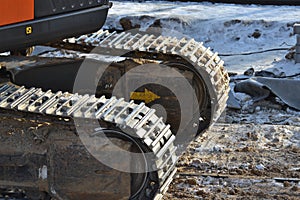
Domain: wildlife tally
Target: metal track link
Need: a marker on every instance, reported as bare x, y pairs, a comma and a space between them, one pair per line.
189, 49
148, 127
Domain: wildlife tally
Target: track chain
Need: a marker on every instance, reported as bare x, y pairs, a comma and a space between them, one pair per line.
194, 52
149, 128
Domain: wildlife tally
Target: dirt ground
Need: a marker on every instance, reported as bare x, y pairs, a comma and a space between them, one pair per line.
241, 161
241, 157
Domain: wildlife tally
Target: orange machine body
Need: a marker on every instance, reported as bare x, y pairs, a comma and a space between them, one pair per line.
14, 11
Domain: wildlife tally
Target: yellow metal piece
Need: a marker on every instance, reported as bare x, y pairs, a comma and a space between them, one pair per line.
28, 30
147, 96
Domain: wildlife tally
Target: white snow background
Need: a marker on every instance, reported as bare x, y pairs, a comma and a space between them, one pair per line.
226, 28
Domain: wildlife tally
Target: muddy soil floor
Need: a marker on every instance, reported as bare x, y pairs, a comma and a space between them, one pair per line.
241, 159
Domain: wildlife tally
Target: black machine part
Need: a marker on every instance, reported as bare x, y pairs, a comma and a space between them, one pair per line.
47, 8
51, 26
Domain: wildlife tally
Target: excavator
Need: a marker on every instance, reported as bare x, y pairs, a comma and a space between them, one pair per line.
107, 123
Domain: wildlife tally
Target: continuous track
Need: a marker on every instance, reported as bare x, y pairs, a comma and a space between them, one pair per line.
149, 128
198, 58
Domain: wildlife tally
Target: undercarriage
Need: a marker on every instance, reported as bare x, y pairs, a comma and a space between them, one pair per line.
52, 114
108, 123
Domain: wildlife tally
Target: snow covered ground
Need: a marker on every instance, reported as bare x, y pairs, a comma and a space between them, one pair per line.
226, 28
